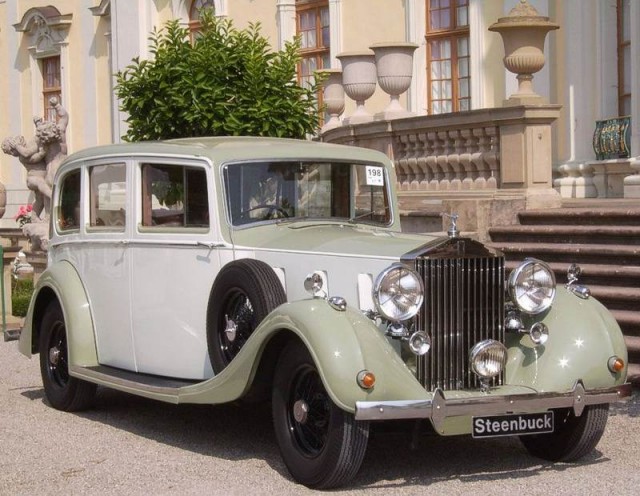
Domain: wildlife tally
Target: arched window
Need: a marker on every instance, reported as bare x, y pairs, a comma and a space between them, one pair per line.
197, 7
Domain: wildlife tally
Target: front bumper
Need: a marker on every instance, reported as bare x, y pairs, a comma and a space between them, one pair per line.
438, 409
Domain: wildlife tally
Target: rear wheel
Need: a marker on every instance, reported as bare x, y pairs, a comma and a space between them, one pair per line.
321, 445
63, 391
573, 438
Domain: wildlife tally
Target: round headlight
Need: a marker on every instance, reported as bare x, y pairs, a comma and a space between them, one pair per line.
532, 286
488, 358
398, 293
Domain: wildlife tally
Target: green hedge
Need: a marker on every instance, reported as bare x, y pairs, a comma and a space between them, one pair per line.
21, 291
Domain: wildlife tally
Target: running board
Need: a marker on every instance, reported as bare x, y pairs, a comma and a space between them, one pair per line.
154, 386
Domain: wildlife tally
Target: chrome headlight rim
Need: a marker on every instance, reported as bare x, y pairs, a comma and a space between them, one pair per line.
414, 305
514, 285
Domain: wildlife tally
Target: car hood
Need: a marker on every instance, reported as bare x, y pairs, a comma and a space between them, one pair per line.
329, 239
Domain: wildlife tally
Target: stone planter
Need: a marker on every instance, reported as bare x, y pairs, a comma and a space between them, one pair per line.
333, 97
359, 82
523, 32
394, 65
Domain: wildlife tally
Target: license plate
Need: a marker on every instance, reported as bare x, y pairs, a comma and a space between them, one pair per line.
513, 425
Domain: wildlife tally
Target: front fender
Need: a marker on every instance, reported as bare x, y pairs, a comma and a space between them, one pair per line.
61, 282
341, 344
583, 335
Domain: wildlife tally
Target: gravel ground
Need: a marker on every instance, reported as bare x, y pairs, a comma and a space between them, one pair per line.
133, 446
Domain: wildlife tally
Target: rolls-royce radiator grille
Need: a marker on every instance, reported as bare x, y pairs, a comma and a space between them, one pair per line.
464, 304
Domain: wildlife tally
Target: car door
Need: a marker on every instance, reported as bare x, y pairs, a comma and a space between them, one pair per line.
104, 262
175, 258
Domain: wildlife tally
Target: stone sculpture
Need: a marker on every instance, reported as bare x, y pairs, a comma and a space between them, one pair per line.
41, 157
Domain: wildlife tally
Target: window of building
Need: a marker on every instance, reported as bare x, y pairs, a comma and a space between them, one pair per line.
197, 7
174, 196
68, 211
51, 85
624, 57
108, 196
312, 25
448, 75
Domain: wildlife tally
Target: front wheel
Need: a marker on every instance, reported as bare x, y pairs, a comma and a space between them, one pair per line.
321, 445
573, 438
63, 391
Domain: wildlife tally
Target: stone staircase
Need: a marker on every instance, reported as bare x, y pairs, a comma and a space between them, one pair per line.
603, 238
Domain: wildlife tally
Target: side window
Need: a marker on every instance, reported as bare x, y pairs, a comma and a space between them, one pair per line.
68, 212
108, 196
174, 196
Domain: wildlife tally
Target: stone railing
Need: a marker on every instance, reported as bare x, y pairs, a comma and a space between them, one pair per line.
454, 161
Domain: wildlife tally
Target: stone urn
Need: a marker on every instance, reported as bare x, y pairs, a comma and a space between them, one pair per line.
394, 65
359, 82
332, 97
523, 33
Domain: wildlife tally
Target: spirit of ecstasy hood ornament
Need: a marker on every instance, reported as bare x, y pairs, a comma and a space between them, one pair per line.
453, 231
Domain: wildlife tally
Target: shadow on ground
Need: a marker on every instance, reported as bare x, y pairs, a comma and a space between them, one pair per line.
242, 431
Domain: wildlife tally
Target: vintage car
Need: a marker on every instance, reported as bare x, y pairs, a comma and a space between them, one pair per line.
208, 270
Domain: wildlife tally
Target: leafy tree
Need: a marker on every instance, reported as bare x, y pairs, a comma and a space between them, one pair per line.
227, 82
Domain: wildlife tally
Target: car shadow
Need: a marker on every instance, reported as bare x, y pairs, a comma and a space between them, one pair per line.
241, 431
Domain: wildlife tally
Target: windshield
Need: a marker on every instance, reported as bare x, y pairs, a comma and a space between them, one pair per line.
261, 191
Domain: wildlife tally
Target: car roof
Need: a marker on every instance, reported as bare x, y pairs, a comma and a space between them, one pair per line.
231, 148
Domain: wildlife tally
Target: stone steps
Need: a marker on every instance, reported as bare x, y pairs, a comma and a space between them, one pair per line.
604, 241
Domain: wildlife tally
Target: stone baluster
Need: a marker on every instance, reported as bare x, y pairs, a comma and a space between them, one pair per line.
402, 169
443, 161
431, 154
492, 157
479, 158
454, 159
422, 149
414, 183
465, 159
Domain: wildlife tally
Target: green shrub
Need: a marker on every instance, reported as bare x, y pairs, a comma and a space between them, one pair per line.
21, 291
227, 82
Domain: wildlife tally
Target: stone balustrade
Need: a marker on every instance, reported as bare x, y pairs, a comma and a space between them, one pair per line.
496, 160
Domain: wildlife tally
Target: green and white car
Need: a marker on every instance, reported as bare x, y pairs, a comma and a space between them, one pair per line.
215, 269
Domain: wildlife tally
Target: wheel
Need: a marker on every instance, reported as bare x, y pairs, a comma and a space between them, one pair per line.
63, 391
243, 294
321, 445
271, 210
573, 438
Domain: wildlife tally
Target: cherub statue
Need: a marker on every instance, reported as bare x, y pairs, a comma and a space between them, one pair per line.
41, 157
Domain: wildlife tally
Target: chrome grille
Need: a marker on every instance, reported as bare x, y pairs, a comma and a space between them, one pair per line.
464, 304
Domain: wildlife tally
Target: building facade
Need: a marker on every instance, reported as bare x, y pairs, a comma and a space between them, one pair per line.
70, 49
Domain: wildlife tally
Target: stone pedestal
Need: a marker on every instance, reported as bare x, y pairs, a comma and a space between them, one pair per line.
632, 183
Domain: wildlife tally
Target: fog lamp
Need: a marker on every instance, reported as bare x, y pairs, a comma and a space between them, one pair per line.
488, 358
420, 343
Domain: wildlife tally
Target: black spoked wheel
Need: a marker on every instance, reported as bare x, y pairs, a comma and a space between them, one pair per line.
63, 391
243, 294
321, 445
573, 438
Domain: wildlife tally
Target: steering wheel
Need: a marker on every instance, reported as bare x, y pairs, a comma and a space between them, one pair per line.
271, 209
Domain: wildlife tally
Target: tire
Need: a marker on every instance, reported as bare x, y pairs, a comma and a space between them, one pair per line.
573, 438
243, 294
321, 445
62, 391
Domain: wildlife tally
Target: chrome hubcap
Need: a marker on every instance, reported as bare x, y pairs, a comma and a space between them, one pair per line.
54, 356
301, 411
231, 329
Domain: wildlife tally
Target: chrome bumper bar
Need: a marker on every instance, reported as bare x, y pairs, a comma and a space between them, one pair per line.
439, 408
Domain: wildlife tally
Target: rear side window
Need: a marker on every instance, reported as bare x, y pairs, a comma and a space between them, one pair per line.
108, 196
174, 196
68, 212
